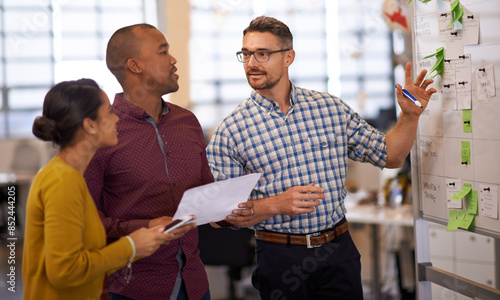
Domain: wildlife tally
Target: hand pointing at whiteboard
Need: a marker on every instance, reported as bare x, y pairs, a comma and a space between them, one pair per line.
400, 139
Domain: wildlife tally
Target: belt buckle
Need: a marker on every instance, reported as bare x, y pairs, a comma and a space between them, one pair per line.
308, 240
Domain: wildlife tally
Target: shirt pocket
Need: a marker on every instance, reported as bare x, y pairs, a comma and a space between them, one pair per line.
321, 141
321, 147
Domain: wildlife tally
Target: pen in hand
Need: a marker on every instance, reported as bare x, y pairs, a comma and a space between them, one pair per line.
410, 96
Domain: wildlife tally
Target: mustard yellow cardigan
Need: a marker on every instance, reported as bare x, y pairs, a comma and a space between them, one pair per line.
65, 253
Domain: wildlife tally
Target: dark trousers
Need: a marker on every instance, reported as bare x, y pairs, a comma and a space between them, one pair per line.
332, 271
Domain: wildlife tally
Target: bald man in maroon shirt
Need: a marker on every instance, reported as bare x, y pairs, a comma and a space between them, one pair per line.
160, 154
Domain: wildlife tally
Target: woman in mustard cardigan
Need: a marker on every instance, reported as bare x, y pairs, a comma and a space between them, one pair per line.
65, 252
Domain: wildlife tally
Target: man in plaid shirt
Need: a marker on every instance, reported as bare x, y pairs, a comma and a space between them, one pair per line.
300, 141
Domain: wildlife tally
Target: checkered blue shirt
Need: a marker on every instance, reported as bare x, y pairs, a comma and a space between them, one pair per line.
309, 144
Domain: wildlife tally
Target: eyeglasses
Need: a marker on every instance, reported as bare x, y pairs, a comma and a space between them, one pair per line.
259, 55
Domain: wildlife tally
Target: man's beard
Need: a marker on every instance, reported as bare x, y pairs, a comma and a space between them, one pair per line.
268, 84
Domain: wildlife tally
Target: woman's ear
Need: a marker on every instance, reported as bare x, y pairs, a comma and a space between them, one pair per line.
134, 66
89, 126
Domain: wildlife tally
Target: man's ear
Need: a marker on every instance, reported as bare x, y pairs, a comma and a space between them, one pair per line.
289, 57
134, 66
89, 126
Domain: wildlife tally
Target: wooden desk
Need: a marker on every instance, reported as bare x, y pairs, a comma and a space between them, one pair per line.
376, 216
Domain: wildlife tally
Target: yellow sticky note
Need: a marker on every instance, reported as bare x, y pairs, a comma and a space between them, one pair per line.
465, 190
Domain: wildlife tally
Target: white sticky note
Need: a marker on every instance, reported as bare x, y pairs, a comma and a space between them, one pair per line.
443, 20
454, 46
488, 200
448, 90
463, 83
453, 186
459, 35
485, 82
470, 28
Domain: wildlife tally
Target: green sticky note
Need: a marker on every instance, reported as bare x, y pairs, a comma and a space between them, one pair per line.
452, 221
472, 205
461, 215
467, 221
465, 190
439, 62
465, 153
467, 120
457, 15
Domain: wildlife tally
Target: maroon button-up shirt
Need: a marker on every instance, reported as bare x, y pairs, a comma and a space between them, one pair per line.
136, 181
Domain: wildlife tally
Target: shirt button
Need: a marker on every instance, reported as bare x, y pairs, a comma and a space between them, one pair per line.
298, 168
293, 144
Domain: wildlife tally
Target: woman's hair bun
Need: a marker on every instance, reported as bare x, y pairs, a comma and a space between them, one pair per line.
65, 107
46, 129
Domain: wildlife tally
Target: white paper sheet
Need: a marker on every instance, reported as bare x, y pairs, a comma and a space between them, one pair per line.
463, 76
448, 88
215, 201
485, 82
488, 200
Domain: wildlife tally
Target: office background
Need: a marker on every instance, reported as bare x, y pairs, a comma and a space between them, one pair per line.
345, 47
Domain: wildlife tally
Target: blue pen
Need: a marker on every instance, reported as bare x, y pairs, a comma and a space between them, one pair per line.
410, 96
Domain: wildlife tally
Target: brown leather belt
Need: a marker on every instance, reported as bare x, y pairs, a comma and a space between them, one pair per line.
311, 240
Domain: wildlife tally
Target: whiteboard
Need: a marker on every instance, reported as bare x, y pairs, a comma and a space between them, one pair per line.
440, 133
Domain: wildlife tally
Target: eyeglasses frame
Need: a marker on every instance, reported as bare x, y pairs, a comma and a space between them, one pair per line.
253, 53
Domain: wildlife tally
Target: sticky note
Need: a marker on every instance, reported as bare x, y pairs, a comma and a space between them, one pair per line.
456, 218
448, 92
463, 84
467, 120
454, 5
457, 13
465, 153
463, 192
488, 200
467, 221
443, 20
452, 221
472, 205
485, 82
470, 32
461, 215
453, 186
